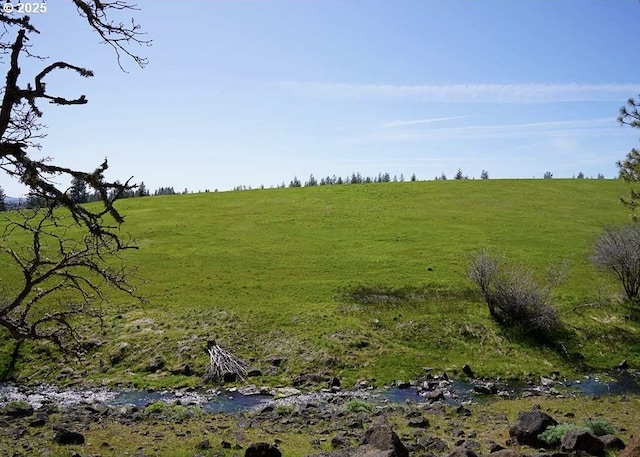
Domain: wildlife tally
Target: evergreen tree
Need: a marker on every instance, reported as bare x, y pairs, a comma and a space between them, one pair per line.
459, 175
484, 174
295, 182
413, 177
78, 191
3, 206
142, 190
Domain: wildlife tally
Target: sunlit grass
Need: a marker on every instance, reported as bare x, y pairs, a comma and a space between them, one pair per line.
265, 272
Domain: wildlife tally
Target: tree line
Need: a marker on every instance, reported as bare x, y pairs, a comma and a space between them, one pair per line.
79, 190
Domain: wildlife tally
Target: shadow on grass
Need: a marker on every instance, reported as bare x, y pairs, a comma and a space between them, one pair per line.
9, 363
396, 296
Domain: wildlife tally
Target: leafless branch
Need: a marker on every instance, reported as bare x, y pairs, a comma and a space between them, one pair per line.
63, 277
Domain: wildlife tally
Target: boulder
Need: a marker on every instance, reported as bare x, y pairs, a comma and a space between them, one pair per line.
262, 450
633, 448
380, 441
582, 440
612, 442
64, 436
505, 453
529, 425
385, 439
18, 409
460, 451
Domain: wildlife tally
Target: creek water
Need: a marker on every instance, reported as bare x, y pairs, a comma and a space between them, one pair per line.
230, 401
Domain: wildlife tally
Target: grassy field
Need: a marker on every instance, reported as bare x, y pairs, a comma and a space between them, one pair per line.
268, 273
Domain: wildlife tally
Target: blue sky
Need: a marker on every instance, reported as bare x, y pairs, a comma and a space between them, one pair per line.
251, 92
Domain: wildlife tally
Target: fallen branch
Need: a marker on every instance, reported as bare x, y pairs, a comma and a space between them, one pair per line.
223, 365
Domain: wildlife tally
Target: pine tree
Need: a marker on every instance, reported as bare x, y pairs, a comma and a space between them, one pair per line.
78, 191
3, 206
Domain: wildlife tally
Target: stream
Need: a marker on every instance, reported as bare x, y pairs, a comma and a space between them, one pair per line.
251, 398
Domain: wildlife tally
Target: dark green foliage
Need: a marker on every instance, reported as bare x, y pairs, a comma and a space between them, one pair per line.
78, 191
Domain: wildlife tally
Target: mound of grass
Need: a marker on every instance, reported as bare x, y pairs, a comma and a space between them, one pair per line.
368, 282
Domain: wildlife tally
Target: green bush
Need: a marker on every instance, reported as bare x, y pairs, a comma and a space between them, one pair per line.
600, 427
358, 406
553, 435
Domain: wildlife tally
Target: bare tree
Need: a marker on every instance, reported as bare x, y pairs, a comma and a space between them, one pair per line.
617, 250
20, 115
63, 253
60, 276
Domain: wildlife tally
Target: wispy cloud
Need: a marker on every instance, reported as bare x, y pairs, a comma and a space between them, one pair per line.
408, 123
582, 128
467, 93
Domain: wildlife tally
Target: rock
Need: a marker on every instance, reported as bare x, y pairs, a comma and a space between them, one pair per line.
64, 437
434, 444
505, 453
485, 389
155, 364
581, 440
307, 379
466, 369
624, 365
612, 442
275, 360
262, 450
494, 447
462, 452
254, 373
229, 377
437, 394
418, 422
18, 409
385, 439
202, 445
633, 448
119, 353
529, 425
340, 442
39, 421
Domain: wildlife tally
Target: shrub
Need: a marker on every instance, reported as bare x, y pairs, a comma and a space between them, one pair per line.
514, 297
600, 427
358, 406
617, 250
553, 434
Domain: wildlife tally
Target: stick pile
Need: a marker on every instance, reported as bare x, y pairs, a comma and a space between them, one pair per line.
223, 363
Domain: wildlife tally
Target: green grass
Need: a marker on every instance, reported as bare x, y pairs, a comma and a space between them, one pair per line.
269, 273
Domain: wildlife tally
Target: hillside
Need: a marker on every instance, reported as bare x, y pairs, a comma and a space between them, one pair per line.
267, 273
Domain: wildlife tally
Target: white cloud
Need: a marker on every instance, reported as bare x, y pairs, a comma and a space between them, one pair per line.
467, 93
582, 128
407, 123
